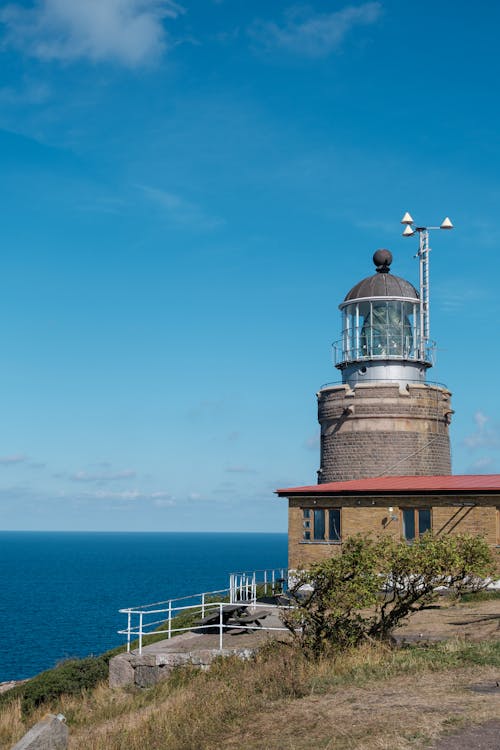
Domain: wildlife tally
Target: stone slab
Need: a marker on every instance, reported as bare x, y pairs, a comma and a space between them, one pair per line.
51, 733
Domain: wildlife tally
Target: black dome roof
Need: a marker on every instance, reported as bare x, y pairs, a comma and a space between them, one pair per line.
382, 283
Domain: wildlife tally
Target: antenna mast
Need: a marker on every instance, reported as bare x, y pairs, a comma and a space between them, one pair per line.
423, 258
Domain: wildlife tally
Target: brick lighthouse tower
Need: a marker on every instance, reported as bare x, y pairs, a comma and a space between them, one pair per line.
385, 418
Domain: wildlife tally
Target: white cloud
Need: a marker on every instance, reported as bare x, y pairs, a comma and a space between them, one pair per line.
480, 419
483, 465
15, 459
314, 34
159, 499
102, 476
128, 32
482, 436
181, 210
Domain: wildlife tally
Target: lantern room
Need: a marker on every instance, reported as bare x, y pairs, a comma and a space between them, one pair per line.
382, 330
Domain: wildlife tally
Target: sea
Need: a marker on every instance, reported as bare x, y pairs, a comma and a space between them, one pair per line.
60, 592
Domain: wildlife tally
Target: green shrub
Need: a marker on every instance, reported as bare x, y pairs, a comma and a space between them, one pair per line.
343, 605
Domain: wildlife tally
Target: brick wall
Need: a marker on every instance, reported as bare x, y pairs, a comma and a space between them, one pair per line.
382, 429
368, 518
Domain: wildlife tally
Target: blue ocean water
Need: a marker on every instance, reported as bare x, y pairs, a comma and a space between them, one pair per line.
60, 591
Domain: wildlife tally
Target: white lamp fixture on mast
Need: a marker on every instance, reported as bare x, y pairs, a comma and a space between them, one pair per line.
423, 256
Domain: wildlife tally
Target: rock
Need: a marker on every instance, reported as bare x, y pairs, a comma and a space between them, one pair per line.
51, 733
149, 668
146, 676
121, 671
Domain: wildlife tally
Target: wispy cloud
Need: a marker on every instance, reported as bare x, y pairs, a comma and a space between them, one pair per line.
482, 436
160, 499
206, 408
483, 465
128, 32
312, 442
180, 210
240, 470
456, 294
31, 93
17, 458
311, 34
102, 476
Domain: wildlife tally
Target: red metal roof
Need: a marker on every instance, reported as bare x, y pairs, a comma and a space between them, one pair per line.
377, 485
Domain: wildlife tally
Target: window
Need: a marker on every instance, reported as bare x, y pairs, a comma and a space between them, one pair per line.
319, 524
334, 524
416, 521
306, 523
322, 524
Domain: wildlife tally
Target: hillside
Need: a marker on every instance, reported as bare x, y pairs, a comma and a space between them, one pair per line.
375, 697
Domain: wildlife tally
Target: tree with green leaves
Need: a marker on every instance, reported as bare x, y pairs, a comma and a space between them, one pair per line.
375, 584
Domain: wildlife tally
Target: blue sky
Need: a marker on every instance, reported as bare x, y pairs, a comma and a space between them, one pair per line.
188, 191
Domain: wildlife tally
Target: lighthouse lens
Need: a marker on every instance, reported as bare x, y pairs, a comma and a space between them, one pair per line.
381, 329
387, 330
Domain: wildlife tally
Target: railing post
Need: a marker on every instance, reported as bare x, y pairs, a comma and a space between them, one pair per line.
221, 626
265, 582
241, 587
170, 618
129, 621
254, 588
273, 578
140, 633
203, 605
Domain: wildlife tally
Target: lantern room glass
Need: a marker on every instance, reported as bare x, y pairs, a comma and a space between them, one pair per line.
381, 329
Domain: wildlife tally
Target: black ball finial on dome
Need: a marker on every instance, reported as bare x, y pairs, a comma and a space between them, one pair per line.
382, 259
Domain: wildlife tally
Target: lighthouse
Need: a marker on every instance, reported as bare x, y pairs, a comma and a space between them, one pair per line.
385, 448
385, 417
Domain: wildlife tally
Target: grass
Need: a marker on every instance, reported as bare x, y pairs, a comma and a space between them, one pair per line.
480, 596
204, 710
73, 676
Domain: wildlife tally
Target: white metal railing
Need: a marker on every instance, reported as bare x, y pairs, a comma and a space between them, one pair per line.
244, 587
244, 584
218, 624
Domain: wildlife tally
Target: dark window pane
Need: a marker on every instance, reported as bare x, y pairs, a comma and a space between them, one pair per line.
307, 535
307, 524
334, 525
409, 524
307, 513
424, 520
319, 524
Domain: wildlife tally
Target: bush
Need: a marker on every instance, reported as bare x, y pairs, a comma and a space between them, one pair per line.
374, 585
68, 678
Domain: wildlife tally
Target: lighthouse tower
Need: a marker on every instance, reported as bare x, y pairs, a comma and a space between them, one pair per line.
385, 418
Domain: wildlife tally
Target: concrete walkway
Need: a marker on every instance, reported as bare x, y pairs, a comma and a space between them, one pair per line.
233, 638
192, 647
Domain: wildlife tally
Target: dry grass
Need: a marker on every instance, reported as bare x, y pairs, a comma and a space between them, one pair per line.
373, 697
370, 698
